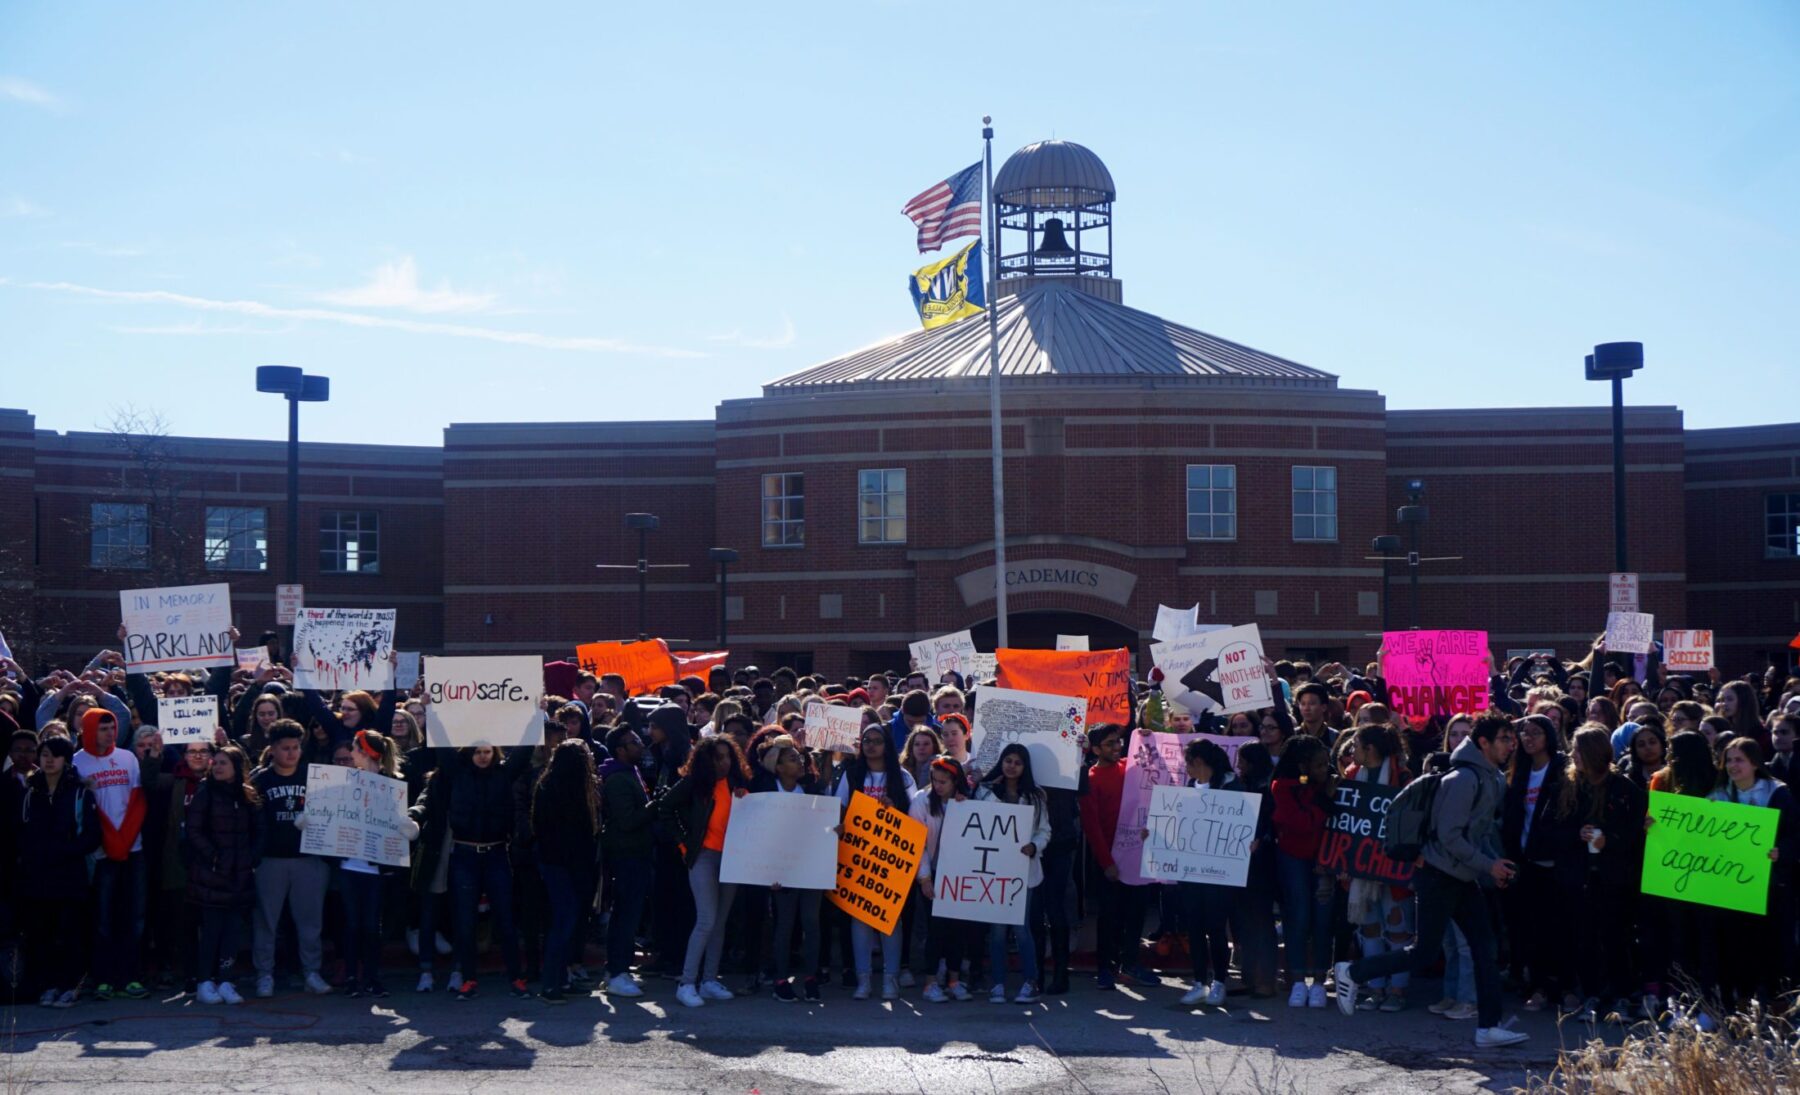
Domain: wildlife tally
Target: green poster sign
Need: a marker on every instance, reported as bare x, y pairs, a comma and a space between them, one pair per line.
1710, 853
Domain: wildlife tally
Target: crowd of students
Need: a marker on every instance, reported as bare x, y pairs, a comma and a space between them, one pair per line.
135, 867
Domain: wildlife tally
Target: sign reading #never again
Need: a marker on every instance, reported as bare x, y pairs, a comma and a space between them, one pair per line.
1050, 575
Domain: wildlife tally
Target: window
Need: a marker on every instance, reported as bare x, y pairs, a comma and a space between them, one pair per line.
1315, 503
881, 493
1212, 502
1782, 526
784, 509
237, 538
120, 535
350, 541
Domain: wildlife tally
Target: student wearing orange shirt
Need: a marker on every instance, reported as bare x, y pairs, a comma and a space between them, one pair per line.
698, 808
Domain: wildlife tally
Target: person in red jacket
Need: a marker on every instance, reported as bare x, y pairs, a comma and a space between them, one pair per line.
1121, 906
1301, 794
111, 776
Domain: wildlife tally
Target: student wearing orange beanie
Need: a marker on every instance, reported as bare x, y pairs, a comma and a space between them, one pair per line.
111, 775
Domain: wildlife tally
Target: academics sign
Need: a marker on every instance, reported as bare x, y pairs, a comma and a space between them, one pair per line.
1050, 576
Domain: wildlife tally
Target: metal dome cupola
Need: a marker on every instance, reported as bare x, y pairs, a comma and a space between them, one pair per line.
1053, 205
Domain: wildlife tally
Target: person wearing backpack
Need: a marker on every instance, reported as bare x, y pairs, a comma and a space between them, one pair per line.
1460, 849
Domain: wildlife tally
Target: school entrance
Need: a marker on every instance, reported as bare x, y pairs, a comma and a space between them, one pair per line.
1038, 631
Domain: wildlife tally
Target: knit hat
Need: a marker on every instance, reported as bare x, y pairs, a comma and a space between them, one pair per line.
90, 729
1356, 700
771, 751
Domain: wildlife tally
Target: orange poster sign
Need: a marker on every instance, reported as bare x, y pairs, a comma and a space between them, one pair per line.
646, 666
689, 663
878, 858
1103, 676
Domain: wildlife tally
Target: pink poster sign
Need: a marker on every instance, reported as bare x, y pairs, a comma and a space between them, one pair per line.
1155, 760
1436, 672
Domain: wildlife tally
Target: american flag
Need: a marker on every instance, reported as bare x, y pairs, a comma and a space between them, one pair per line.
948, 209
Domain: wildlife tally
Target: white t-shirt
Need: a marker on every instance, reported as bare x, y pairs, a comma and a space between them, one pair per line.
874, 785
115, 776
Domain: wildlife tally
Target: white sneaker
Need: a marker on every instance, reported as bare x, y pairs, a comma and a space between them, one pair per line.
1315, 996
862, 987
1297, 995
1442, 1006
907, 980
890, 988
1460, 1011
1194, 995
455, 983
1498, 1037
1215, 994
997, 995
208, 993
623, 985
228, 992
48, 1000
1028, 993
443, 945
265, 985
65, 999
960, 991
931, 993
690, 996
1346, 990
412, 941
427, 983
714, 989
317, 985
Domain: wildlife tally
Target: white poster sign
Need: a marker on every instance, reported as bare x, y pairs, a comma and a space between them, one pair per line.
1071, 642
406, 669
1629, 632
352, 814
252, 658
177, 627
1218, 670
784, 837
1198, 834
953, 653
1053, 730
483, 701
287, 603
1688, 649
982, 874
5, 651
1175, 623
187, 718
831, 728
338, 648
1622, 593
986, 665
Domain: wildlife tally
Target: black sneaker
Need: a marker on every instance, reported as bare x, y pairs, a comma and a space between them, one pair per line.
467, 991
375, 990
553, 996
520, 990
812, 989
353, 991
784, 990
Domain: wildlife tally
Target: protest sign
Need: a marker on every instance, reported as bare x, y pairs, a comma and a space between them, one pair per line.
877, 859
1354, 829
780, 837
646, 666
692, 663
288, 600
1629, 632
177, 627
981, 873
337, 648
1053, 730
1199, 834
1435, 672
1102, 676
1710, 853
252, 658
832, 728
1175, 623
352, 814
5, 651
953, 653
1688, 649
406, 669
182, 719
483, 701
986, 665
1622, 592
1152, 760
1071, 642
1220, 670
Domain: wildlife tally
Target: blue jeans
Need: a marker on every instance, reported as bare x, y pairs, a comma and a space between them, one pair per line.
631, 878
1305, 916
472, 874
118, 919
362, 924
559, 888
1443, 901
1028, 964
1459, 967
862, 941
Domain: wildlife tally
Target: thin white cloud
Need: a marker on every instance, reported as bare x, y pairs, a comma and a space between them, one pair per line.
396, 285
15, 206
105, 250
763, 342
24, 91
198, 327
584, 344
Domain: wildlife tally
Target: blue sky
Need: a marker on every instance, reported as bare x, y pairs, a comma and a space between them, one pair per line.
556, 212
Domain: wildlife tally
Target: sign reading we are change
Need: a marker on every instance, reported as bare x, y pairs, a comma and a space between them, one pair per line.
483, 701
1435, 672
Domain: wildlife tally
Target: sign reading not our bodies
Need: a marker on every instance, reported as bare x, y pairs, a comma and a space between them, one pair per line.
982, 873
483, 701
177, 627
337, 648
1435, 673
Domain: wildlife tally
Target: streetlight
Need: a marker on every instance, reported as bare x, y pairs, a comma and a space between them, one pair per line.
724, 557
1413, 516
1385, 547
644, 523
297, 387
1615, 361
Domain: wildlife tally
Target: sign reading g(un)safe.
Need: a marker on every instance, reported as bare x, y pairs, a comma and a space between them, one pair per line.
1050, 575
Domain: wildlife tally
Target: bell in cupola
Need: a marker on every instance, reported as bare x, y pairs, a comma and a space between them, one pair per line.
1052, 244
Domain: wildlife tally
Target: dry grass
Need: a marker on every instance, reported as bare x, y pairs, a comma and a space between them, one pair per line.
1752, 1053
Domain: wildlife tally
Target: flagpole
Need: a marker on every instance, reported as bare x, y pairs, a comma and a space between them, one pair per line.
993, 311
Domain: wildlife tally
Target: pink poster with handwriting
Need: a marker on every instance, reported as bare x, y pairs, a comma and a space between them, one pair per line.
1154, 760
1435, 672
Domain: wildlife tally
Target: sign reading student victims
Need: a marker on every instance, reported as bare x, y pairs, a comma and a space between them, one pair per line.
1710, 853
781, 838
1688, 649
1629, 632
982, 871
1199, 834
1103, 676
1053, 730
339, 648
352, 814
1353, 834
483, 701
877, 859
182, 719
1435, 672
177, 627
1218, 670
